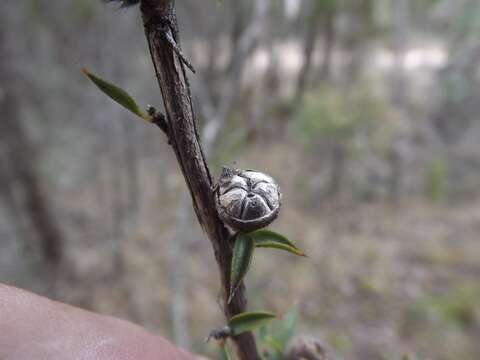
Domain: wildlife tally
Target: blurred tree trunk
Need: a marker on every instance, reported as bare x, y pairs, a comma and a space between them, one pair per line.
356, 45
400, 44
240, 21
311, 36
7, 193
321, 17
329, 38
397, 156
24, 184
338, 162
459, 98
262, 97
357, 39
131, 176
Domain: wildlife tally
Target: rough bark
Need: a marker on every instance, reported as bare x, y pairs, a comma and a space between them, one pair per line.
160, 20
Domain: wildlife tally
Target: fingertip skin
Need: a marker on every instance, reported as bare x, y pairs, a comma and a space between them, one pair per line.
34, 327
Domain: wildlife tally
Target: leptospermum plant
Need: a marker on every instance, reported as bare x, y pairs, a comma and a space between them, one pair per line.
232, 212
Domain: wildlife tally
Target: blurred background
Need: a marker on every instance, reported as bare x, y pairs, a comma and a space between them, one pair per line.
365, 111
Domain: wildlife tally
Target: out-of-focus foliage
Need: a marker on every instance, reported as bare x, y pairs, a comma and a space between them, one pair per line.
436, 187
460, 307
275, 338
339, 114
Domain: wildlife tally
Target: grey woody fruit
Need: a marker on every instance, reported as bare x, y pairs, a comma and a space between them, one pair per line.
247, 200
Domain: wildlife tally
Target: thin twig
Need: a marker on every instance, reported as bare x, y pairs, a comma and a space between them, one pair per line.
184, 138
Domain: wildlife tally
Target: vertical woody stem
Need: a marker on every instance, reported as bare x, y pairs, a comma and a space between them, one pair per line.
160, 22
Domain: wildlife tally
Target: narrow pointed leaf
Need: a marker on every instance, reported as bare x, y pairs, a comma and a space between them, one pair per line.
249, 321
283, 332
224, 354
289, 325
117, 94
241, 260
271, 239
275, 345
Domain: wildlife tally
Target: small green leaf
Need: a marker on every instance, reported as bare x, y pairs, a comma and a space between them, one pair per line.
263, 333
289, 325
118, 95
241, 260
249, 321
224, 354
275, 346
275, 338
271, 239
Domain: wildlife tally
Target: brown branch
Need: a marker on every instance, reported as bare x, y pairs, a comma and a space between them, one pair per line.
170, 71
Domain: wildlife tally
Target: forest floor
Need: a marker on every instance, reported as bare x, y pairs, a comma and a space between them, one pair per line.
383, 281
380, 280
